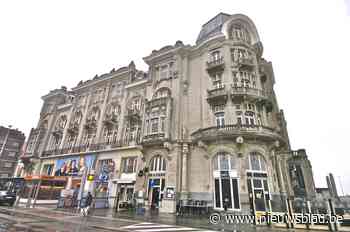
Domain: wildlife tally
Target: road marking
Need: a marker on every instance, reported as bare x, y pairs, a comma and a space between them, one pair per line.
153, 227
145, 226
168, 229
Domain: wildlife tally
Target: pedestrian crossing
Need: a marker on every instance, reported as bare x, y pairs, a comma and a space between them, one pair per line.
154, 227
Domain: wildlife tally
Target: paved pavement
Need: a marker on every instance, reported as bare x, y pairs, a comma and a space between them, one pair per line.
42, 219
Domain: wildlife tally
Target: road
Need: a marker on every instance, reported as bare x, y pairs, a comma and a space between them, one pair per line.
12, 220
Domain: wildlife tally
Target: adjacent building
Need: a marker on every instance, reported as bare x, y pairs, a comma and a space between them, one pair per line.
201, 125
11, 141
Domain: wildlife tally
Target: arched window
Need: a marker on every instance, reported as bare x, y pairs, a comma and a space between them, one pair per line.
224, 162
257, 162
135, 103
162, 92
239, 33
112, 113
77, 118
44, 124
61, 123
157, 164
94, 114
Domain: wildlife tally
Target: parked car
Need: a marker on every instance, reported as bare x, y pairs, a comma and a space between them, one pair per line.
9, 187
7, 197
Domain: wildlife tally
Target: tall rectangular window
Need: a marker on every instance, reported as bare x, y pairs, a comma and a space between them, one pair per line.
154, 124
217, 81
215, 56
162, 119
220, 119
129, 164
164, 70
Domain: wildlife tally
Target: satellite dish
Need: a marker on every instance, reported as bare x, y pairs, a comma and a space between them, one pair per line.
239, 140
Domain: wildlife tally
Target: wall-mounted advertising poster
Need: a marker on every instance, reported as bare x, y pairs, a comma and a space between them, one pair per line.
74, 166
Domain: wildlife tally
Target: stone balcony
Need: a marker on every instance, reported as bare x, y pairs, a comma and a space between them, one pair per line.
89, 148
252, 93
158, 102
110, 119
246, 63
154, 138
133, 114
217, 95
234, 130
73, 128
57, 133
216, 65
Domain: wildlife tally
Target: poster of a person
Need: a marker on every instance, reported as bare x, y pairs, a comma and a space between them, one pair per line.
74, 166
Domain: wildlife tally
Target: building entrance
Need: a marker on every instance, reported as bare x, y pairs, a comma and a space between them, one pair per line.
226, 193
155, 191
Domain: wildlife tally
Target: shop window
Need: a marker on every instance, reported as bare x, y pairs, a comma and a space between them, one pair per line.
47, 169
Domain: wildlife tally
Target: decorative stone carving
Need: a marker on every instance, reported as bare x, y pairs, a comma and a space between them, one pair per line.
185, 148
185, 87
168, 146
202, 145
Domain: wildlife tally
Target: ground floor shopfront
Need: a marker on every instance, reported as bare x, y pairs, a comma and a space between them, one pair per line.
219, 177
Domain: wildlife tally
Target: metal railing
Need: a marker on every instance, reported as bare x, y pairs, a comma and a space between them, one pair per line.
89, 147
240, 90
232, 129
217, 91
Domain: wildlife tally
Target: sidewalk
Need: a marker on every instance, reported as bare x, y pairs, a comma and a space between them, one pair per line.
107, 219
201, 222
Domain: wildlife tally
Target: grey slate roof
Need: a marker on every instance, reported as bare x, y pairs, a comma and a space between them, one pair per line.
212, 27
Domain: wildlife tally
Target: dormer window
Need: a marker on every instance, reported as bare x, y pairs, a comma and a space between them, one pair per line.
162, 92
165, 71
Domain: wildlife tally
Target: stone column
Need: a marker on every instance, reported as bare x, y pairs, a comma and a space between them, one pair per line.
81, 127
100, 120
69, 118
184, 183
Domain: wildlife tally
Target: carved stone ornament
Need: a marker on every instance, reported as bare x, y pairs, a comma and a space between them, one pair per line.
168, 146
239, 140
202, 145
277, 144
185, 87
185, 148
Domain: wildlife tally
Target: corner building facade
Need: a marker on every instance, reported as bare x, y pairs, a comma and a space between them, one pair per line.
202, 125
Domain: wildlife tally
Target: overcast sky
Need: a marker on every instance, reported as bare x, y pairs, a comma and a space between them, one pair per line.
47, 44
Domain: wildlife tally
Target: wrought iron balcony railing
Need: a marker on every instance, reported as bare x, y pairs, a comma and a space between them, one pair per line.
248, 91
216, 64
89, 147
233, 130
154, 137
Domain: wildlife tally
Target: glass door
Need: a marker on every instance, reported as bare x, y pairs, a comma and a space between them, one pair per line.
226, 192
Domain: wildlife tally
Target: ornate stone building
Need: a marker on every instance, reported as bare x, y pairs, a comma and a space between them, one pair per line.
11, 142
203, 122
